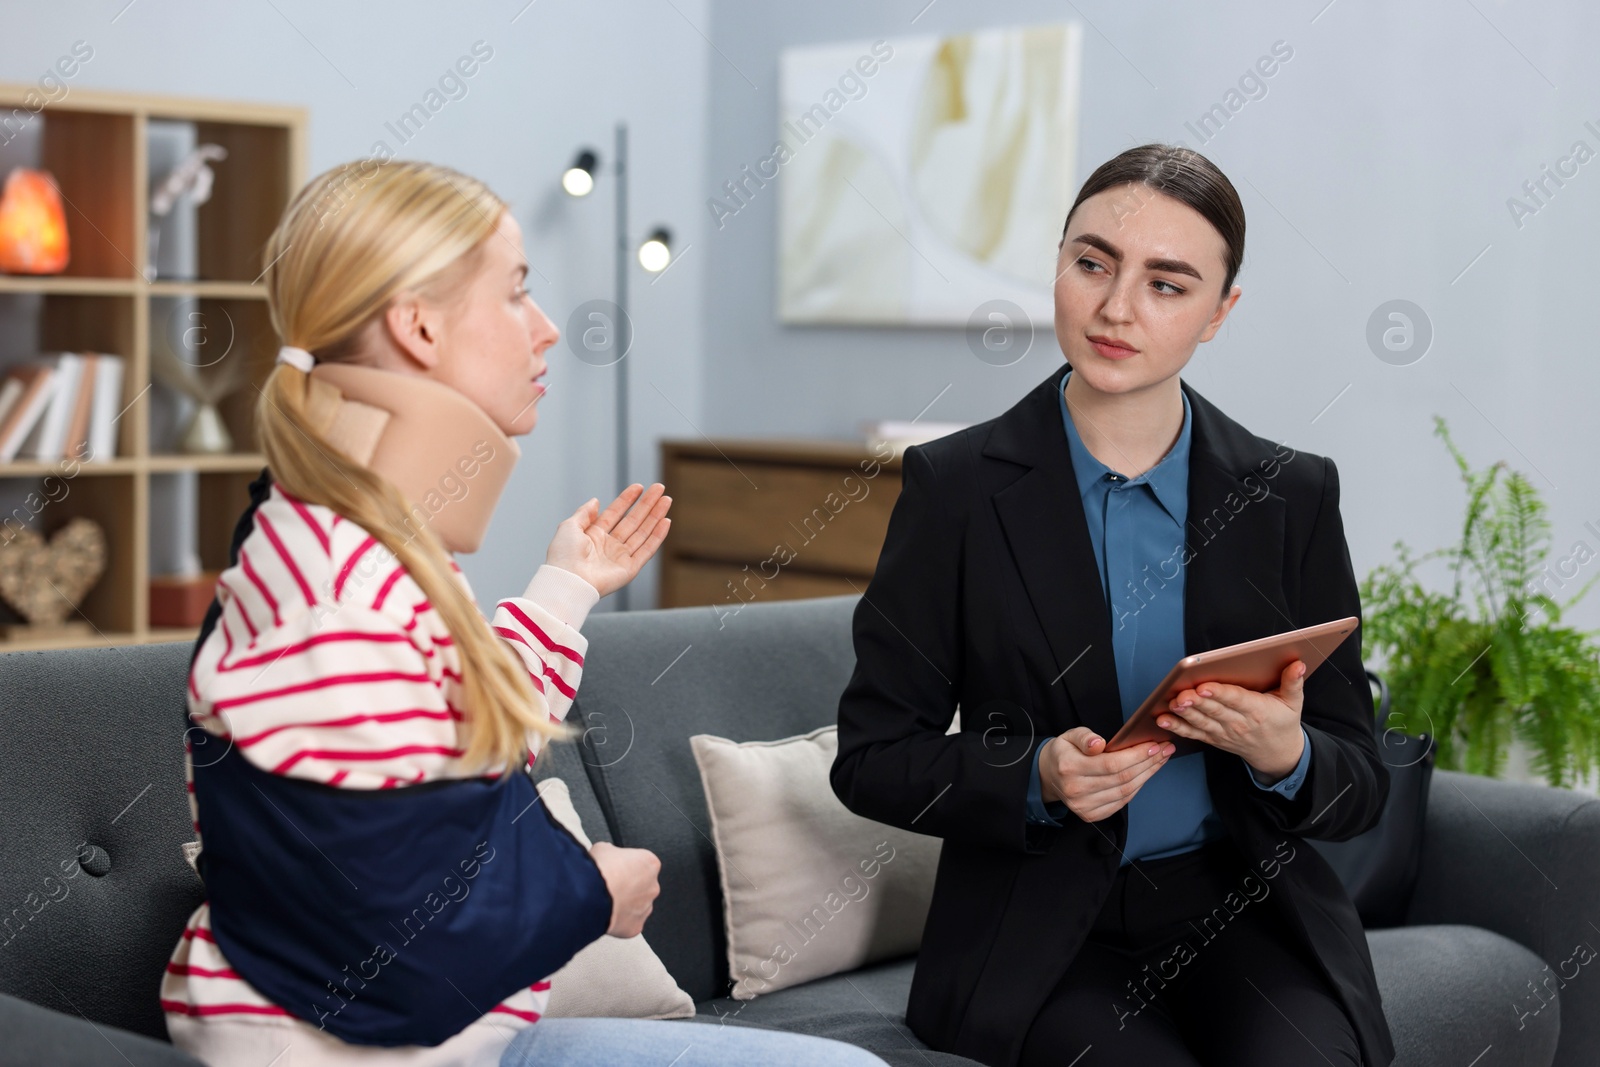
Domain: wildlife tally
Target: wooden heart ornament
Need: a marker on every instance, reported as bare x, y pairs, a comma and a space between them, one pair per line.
46, 581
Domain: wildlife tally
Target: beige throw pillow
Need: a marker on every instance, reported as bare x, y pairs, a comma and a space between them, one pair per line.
809, 889
614, 977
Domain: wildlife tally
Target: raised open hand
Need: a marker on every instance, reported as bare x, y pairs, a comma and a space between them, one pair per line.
607, 548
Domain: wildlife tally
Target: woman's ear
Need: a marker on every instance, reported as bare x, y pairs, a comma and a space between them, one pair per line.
1224, 306
413, 327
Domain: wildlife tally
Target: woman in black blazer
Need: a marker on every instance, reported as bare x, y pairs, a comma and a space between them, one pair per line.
1044, 942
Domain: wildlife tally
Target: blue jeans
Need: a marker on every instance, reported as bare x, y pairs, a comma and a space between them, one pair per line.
679, 1042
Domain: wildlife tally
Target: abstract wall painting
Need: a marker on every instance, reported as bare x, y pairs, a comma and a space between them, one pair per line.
924, 177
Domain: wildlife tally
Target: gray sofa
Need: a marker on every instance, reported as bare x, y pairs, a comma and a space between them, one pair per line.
94, 889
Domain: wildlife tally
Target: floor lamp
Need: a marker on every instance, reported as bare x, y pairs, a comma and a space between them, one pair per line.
654, 253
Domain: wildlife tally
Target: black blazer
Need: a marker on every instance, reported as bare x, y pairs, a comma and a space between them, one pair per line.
987, 596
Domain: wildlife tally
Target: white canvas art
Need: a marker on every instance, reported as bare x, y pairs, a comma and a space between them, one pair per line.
924, 177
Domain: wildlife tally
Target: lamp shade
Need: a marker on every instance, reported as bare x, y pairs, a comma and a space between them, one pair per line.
578, 180
33, 229
656, 251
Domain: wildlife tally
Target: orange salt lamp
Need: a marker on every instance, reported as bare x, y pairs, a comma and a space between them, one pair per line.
33, 230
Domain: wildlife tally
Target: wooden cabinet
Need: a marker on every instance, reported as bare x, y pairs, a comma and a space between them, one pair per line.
764, 519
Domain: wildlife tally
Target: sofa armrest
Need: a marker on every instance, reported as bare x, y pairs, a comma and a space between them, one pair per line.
1523, 861
35, 1035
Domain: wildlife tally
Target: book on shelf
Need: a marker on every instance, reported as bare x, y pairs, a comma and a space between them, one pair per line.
37, 385
48, 438
107, 407
11, 390
62, 406
77, 439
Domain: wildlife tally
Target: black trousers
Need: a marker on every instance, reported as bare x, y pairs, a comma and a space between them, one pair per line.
1174, 973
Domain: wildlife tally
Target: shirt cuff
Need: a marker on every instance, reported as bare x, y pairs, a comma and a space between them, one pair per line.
1037, 811
563, 594
1290, 784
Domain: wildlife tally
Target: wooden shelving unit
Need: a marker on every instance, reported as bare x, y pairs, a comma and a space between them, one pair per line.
95, 143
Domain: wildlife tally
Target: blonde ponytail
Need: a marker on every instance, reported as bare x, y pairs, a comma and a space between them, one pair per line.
351, 240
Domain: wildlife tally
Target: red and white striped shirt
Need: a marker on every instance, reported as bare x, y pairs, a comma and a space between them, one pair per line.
329, 664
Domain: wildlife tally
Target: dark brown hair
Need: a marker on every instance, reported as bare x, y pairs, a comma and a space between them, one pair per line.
1186, 176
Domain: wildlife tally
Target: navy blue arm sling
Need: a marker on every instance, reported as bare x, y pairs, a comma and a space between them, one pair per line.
386, 917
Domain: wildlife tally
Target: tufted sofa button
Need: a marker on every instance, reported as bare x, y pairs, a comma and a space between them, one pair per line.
93, 859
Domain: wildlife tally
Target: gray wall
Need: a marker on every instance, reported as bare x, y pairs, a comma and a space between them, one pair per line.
1377, 166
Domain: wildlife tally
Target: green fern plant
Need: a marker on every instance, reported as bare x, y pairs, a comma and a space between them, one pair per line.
1473, 675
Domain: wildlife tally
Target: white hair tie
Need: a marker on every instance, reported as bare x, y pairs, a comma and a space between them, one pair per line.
297, 357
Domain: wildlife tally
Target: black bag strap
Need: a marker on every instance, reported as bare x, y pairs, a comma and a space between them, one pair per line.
1383, 700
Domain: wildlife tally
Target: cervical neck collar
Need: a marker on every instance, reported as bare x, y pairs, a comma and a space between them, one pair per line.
443, 452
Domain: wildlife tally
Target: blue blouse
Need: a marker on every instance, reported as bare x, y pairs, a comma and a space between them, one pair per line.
1136, 526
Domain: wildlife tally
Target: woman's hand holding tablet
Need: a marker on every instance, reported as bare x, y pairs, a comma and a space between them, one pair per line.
1076, 769
1262, 728
1221, 698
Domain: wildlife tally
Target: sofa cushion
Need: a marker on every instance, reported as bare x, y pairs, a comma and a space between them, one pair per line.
611, 977
563, 759
865, 1007
809, 887
653, 678
94, 889
1451, 992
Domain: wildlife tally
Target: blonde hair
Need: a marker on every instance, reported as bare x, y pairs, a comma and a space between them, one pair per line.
352, 239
